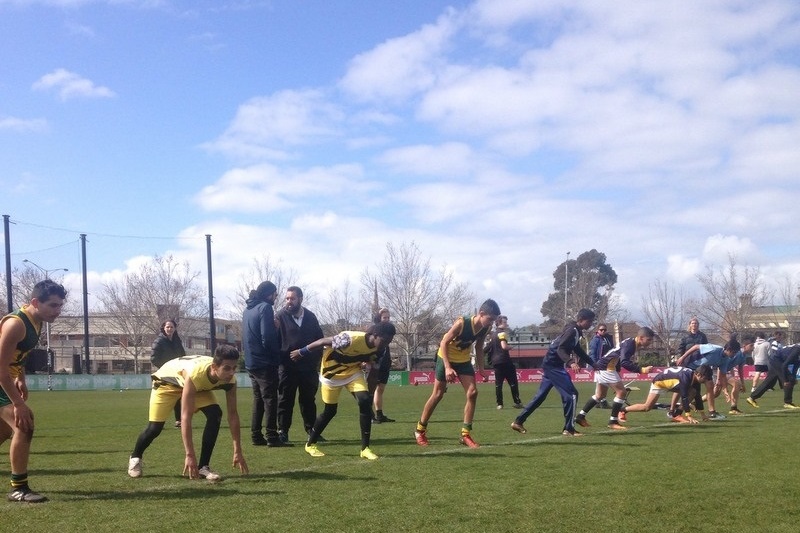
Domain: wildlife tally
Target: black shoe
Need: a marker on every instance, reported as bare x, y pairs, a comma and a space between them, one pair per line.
384, 418
25, 495
260, 441
376, 420
320, 438
283, 436
278, 443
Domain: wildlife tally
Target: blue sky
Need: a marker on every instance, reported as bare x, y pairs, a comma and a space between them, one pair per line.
664, 134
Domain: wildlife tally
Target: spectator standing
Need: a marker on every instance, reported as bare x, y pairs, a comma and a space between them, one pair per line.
168, 346
504, 369
261, 359
378, 376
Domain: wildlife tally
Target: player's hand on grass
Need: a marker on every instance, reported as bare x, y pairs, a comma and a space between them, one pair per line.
190, 467
240, 463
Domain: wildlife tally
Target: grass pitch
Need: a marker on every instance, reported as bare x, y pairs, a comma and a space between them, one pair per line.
738, 474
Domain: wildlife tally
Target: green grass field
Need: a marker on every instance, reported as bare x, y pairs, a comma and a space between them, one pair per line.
739, 474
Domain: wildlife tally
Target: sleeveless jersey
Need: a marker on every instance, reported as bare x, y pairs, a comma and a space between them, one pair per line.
458, 349
198, 368
32, 330
343, 358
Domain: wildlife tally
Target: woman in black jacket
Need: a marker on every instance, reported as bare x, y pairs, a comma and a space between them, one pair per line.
168, 346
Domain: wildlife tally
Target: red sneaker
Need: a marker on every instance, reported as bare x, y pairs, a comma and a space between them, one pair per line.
622, 416
422, 438
467, 441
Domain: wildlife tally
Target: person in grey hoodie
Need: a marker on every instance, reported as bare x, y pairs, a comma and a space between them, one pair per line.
760, 358
261, 359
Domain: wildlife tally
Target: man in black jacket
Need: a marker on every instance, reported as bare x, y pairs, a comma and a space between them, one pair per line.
297, 327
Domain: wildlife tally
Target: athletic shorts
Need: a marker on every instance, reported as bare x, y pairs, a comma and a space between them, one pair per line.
330, 391
654, 389
606, 377
4, 399
462, 369
164, 398
382, 369
762, 368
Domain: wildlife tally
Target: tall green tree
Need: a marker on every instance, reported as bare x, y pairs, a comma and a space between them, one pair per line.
584, 282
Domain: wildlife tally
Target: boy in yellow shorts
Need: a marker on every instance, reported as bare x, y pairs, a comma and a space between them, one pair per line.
343, 359
192, 380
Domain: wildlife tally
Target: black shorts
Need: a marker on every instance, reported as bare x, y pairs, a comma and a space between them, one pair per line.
762, 368
382, 369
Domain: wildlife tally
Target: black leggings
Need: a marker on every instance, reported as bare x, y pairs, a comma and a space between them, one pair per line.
210, 432
364, 417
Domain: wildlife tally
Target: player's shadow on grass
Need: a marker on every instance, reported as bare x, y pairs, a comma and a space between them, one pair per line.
304, 475
193, 491
74, 452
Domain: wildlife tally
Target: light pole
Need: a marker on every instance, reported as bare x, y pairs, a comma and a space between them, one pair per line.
566, 281
47, 273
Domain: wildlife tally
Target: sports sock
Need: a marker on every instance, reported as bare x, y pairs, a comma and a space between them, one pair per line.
465, 429
590, 404
619, 403
19, 481
422, 428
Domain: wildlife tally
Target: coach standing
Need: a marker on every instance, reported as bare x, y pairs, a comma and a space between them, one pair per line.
298, 327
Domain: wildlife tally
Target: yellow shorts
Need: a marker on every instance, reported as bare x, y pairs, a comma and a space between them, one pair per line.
330, 393
164, 398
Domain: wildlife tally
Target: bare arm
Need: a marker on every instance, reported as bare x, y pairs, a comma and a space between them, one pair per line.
13, 331
236, 434
690, 351
449, 373
187, 411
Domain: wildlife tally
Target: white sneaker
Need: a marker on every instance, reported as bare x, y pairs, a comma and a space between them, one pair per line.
208, 474
135, 467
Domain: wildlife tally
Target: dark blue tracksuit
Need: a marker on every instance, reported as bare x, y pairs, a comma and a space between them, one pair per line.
555, 375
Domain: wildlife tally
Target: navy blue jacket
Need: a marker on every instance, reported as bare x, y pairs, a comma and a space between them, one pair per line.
259, 335
562, 347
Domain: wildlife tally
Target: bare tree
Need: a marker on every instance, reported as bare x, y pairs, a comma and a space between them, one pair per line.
731, 294
663, 309
423, 301
163, 288
265, 268
344, 310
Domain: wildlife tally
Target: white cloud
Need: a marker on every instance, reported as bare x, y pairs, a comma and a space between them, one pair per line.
400, 67
265, 127
682, 269
71, 85
266, 188
719, 248
447, 160
23, 125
